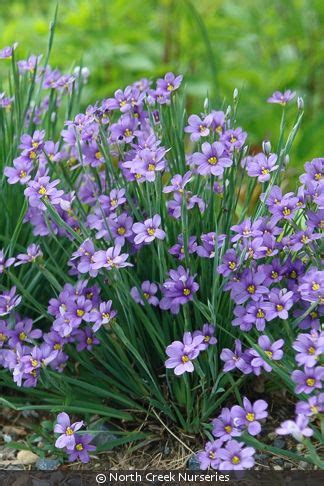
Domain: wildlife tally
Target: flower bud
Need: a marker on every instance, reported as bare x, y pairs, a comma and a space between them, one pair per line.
228, 111
266, 147
235, 94
300, 103
206, 104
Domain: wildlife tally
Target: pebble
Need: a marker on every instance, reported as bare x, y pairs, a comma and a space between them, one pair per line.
272, 436
47, 464
26, 457
279, 443
193, 463
277, 468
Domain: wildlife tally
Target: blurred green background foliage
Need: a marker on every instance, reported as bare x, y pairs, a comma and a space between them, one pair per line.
256, 46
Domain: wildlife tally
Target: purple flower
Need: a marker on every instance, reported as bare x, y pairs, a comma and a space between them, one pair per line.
297, 428
280, 301
110, 258
314, 171
245, 230
84, 254
28, 65
308, 349
5, 263
235, 359
261, 165
20, 172
308, 380
67, 430
124, 130
103, 316
313, 406
149, 230
209, 456
121, 228
23, 332
178, 290
207, 332
178, 183
197, 127
282, 98
311, 285
169, 83
234, 456
8, 301
43, 190
249, 287
178, 249
229, 263
213, 159
81, 448
85, 339
148, 291
233, 138
33, 252
7, 52
210, 242
181, 354
224, 426
249, 415
272, 350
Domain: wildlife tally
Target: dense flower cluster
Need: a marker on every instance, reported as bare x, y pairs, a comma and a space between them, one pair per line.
122, 196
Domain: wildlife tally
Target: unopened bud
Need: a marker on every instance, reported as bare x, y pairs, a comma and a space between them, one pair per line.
300, 103
266, 147
206, 104
228, 111
53, 117
235, 94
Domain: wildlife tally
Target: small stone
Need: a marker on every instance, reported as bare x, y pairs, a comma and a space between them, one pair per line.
260, 457
47, 464
287, 465
272, 436
303, 465
279, 461
277, 468
104, 436
279, 443
300, 447
26, 457
193, 463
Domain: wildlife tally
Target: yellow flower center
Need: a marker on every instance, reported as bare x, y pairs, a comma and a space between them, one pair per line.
69, 431
113, 202
250, 417
128, 132
206, 339
260, 314
42, 190
34, 363
170, 87
212, 160
186, 291
32, 155
251, 289
269, 353
310, 382
304, 239
235, 460
228, 428
35, 145
22, 174
233, 139
293, 274
274, 274
212, 455
121, 231
314, 315
286, 211
98, 155
151, 167
146, 295
122, 103
265, 171
57, 346
79, 447
80, 312
318, 177
151, 231
311, 350
2, 337
22, 336
315, 286
314, 409
106, 315
279, 307
202, 128
232, 265
185, 358
89, 340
